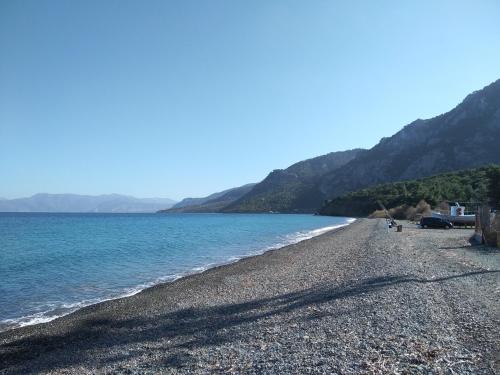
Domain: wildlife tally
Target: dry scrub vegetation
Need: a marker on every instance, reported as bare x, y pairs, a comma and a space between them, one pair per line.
407, 212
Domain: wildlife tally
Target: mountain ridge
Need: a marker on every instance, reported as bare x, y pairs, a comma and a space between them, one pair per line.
292, 189
464, 137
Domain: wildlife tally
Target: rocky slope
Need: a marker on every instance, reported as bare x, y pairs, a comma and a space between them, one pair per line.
294, 189
466, 137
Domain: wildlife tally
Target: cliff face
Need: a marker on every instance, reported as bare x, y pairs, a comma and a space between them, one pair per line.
294, 189
468, 136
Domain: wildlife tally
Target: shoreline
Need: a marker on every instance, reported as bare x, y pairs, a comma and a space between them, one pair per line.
167, 279
357, 299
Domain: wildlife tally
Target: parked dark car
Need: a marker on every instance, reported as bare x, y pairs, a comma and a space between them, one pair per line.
435, 222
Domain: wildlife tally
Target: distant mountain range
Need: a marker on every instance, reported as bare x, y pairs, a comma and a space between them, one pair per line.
468, 136
212, 203
112, 203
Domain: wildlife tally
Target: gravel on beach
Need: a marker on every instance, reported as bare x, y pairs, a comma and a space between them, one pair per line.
352, 301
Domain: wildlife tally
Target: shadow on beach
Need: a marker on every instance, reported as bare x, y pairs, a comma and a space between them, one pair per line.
180, 330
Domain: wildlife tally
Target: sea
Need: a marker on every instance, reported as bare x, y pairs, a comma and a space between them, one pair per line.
52, 264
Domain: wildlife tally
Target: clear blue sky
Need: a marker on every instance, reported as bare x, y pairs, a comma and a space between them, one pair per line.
184, 98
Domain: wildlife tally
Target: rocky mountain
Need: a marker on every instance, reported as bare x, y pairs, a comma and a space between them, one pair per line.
294, 189
113, 203
468, 136
212, 203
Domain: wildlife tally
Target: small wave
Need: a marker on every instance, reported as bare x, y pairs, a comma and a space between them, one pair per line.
25, 321
305, 235
199, 269
58, 310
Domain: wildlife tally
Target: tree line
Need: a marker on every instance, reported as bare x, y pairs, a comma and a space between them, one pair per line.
480, 185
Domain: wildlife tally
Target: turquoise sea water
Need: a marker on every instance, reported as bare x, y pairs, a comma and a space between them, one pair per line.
52, 264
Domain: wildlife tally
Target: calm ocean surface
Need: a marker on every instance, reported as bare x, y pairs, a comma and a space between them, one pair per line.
52, 264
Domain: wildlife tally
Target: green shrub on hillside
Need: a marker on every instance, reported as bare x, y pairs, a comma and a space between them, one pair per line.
493, 174
474, 185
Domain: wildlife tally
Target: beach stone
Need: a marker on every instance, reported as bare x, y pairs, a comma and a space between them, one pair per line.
352, 301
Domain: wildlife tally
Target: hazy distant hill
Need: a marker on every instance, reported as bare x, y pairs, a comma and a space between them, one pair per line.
294, 189
84, 203
467, 136
212, 203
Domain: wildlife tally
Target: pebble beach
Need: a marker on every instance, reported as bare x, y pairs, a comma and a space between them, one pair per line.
355, 300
